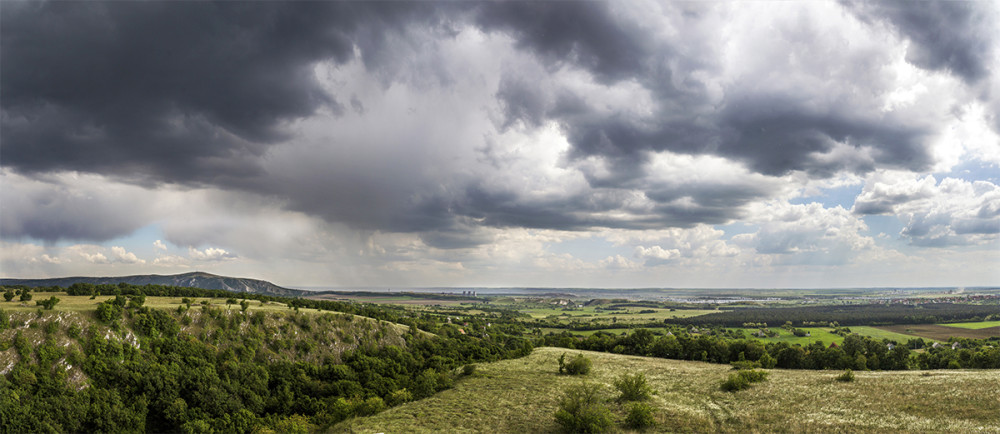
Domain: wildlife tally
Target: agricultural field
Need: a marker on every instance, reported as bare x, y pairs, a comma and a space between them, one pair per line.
823, 334
974, 325
397, 299
522, 395
942, 333
881, 333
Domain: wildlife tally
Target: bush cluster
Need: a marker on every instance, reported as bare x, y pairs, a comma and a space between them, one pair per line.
640, 415
580, 365
582, 410
633, 387
847, 376
743, 379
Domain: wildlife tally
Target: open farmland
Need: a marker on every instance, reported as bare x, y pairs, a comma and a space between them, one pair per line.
881, 333
940, 332
975, 325
522, 395
397, 299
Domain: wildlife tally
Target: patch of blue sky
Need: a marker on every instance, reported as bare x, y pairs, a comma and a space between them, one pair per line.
737, 228
890, 226
832, 197
974, 170
589, 249
141, 241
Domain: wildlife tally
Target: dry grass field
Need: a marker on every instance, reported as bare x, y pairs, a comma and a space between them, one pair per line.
521, 396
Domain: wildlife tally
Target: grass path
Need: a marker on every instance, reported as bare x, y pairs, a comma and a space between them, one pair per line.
521, 396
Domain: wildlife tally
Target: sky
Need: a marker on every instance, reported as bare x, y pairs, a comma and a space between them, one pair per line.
545, 144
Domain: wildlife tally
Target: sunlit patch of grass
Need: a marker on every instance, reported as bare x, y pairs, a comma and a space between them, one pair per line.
522, 395
974, 325
884, 334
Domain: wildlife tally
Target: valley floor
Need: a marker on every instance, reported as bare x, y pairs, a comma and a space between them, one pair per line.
522, 395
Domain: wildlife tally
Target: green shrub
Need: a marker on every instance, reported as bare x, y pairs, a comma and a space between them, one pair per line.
735, 382
582, 410
767, 362
74, 331
580, 365
753, 376
640, 415
398, 397
369, 406
633, 387
743, 379
745, 364
847, 376
469, 369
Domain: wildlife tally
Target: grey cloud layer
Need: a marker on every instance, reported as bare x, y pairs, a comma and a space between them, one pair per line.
179, 92
955, 36
198, 93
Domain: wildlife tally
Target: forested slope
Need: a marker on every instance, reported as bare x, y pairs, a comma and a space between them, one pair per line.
202, 368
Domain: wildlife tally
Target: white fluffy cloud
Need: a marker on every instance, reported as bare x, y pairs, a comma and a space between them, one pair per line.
210, 254
119, 254
805, 234
952, 212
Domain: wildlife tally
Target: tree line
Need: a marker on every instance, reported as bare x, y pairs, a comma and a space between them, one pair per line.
848, 315
857, 352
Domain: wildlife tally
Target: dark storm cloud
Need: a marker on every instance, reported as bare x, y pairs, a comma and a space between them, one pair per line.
188, 91
773, 133
953, 36
70, 208
678, 206
582, 33
198, 92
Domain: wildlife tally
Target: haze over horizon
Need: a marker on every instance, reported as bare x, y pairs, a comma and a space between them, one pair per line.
504, 144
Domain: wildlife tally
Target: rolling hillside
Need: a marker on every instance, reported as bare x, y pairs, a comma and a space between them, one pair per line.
522, 395
195, 279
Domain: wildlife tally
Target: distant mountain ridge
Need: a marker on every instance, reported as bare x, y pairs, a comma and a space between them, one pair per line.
195, 279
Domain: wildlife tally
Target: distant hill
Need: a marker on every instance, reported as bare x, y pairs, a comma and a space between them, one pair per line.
196, 279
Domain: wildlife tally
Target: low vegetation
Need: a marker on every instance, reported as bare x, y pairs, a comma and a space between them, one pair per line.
102, 357
579, 365
846, 377
583, 410
522, 395
633, 387
743, 379
124, 366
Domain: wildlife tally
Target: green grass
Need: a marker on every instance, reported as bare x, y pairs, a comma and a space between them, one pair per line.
884, 334
521, 395
974, 325
823, 334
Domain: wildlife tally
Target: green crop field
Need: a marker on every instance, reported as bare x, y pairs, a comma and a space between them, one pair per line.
817, 334
522, 395
974, 325
884, 334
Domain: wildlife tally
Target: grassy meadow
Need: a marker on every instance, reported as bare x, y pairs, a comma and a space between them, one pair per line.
880, 333
974, 325
522, 395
